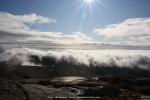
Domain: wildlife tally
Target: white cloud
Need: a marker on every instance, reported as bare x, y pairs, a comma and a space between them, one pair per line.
76, 38
138, 41
61, 38
129, 27
119, 58
16, 28
18, 25
134, 31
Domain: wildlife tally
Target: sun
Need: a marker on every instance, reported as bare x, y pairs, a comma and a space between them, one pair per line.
88, 2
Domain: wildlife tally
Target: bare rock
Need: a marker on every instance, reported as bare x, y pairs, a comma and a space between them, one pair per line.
40, 92
11, 91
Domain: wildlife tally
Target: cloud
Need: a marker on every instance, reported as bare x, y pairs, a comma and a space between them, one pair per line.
61, 38
17, 28
76, 38
30, 62
1, 50
133, 31
18, 23
129, 27
88, 58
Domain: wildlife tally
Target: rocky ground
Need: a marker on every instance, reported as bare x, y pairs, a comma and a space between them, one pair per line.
95, 88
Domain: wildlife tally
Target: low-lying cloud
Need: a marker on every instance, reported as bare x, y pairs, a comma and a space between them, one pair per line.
90, 58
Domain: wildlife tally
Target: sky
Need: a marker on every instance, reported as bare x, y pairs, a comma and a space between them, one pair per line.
112, 22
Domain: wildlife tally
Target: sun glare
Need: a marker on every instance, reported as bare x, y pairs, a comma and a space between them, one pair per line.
88, 2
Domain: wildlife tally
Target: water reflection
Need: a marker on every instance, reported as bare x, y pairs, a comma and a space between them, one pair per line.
71, 79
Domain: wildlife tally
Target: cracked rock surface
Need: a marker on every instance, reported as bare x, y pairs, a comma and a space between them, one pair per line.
11, 91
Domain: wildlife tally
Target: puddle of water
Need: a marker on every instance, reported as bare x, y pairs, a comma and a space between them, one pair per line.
69, 79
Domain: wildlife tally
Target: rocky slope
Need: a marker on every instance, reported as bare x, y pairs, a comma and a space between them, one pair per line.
93, 88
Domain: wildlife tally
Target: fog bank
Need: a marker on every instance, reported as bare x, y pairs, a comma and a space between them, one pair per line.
89, 58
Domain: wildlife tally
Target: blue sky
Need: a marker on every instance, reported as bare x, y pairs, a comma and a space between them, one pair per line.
68, 13
74, 19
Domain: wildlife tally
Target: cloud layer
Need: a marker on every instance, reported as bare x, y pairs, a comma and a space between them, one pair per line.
133, 31
129, 27
90, 58
16, 28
